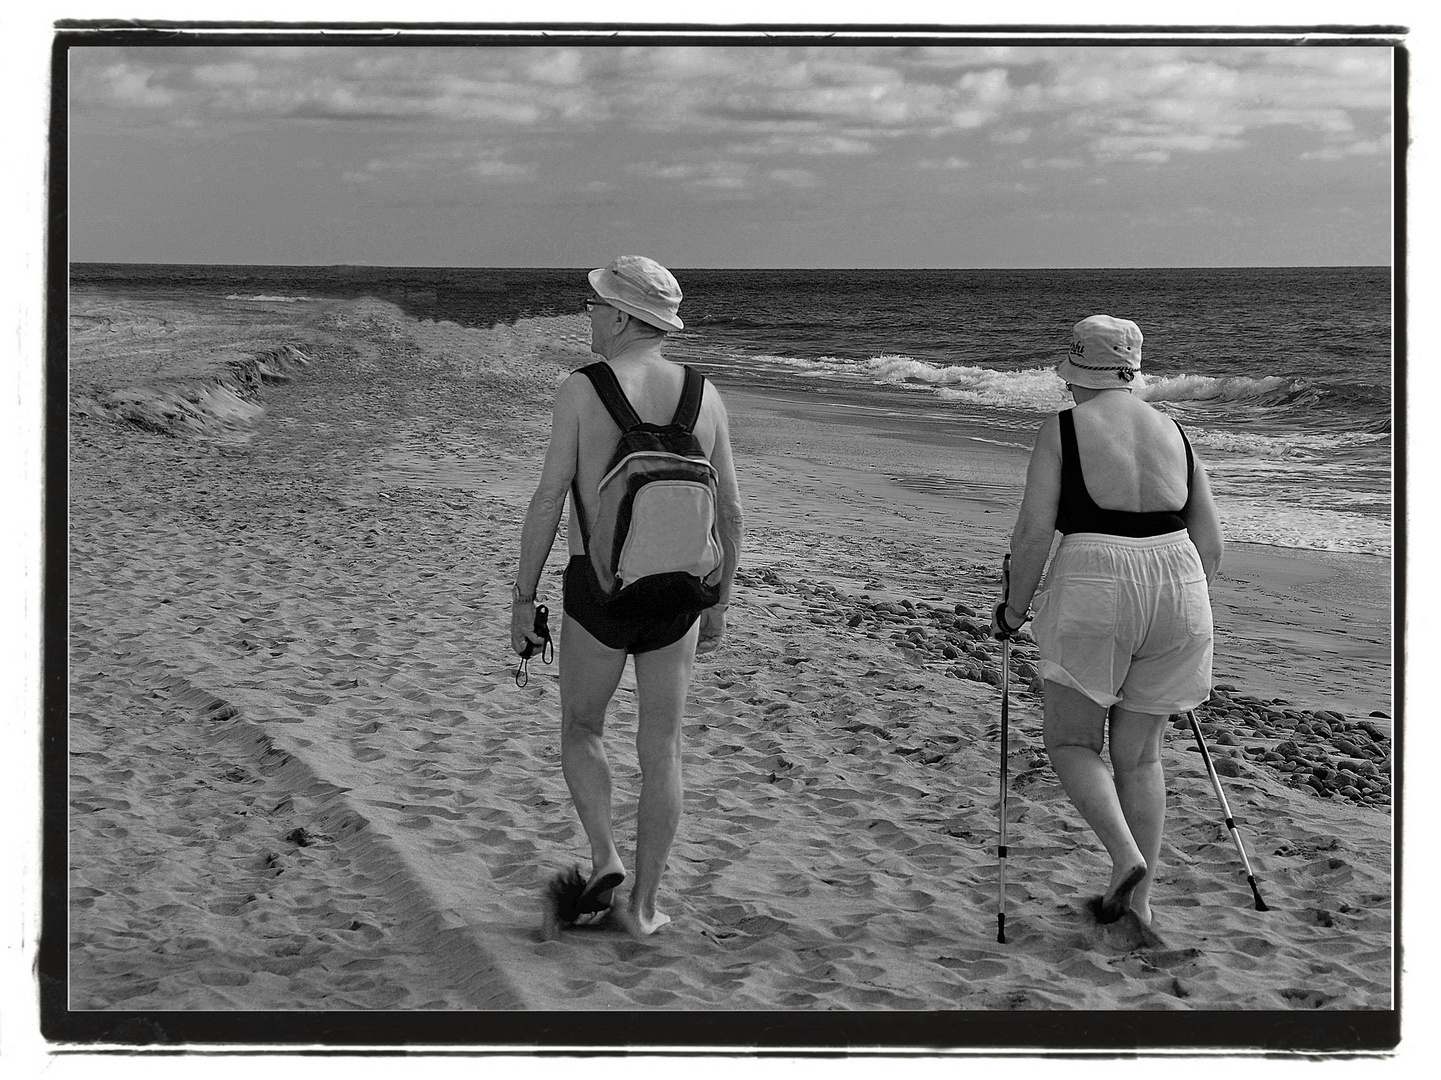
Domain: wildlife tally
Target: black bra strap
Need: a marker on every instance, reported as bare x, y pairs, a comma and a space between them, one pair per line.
1070, 449
1190, 463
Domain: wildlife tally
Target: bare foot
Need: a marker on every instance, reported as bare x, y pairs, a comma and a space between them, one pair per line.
1117, 900
640, 925
601, 887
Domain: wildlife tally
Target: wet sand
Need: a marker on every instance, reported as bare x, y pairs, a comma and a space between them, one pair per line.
302, 777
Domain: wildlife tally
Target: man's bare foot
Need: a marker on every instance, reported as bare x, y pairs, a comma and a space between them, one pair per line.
640, 925
1117, 900
600, 888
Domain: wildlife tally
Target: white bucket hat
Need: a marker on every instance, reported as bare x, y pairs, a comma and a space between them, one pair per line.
641, 287
1105, 353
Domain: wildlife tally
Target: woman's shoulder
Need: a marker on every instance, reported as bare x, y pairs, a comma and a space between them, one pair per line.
1048, 435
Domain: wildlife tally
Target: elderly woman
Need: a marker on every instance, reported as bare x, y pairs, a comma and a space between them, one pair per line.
1124, 621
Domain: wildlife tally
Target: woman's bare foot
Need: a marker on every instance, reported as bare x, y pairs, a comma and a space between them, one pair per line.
1117, 900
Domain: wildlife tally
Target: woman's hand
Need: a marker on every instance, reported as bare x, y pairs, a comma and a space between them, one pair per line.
1001, 625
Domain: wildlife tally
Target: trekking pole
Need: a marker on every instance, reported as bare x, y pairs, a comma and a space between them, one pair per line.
1226, 809
1005, 735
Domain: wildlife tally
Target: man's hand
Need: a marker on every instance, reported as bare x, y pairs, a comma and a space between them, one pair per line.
712, 629
522, 626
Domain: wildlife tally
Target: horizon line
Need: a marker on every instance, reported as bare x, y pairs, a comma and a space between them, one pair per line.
473, 266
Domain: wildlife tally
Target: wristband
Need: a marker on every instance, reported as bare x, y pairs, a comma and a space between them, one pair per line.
518, 599
1001, 609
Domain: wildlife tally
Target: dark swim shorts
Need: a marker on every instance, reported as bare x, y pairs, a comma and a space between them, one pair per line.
583, 601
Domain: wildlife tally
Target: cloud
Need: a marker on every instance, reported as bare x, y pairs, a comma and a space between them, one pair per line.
132, 86
810, 145
1158, 144
1011, 136
1094, 103
971, 118
559, 67
795, 178
1050, 163
1339, 151
726, 175
455, 163
233, 74
500, 170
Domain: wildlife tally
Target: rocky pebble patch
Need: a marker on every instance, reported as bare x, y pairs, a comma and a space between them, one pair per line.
1327, 752
955, 637
1334, 755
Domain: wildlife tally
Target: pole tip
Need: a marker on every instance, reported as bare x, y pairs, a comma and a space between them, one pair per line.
1001, 929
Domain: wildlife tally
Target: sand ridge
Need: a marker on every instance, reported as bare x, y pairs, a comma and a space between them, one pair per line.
303, 635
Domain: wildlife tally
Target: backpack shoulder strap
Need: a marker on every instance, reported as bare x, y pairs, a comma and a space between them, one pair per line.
687, 410
580, 513
607, 388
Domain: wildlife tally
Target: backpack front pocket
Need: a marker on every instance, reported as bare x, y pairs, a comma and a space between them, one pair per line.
671, 529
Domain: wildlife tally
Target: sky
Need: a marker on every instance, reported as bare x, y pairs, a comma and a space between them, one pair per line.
715, 155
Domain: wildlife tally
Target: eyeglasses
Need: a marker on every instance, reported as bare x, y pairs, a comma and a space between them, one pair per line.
591, 303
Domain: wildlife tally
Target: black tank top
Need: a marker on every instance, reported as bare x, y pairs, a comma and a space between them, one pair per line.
1078, 512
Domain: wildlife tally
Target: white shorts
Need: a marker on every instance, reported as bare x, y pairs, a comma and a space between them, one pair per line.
1127, 621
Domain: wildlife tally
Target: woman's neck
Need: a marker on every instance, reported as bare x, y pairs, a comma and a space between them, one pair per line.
1086, 393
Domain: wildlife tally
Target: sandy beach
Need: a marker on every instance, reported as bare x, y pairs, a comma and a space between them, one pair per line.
302, 777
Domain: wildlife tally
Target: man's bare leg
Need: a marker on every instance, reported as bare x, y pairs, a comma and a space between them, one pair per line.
1074, 734
662, 681
1141, 788
589, 674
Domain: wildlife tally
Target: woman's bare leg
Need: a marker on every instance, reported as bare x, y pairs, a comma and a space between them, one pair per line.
1074, 734
1141, 788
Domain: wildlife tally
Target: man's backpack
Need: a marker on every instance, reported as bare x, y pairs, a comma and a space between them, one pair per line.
655, 544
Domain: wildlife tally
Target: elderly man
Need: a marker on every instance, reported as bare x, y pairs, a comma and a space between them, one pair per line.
633, 307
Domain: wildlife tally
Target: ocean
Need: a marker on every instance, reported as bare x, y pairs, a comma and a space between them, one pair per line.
1283, 377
